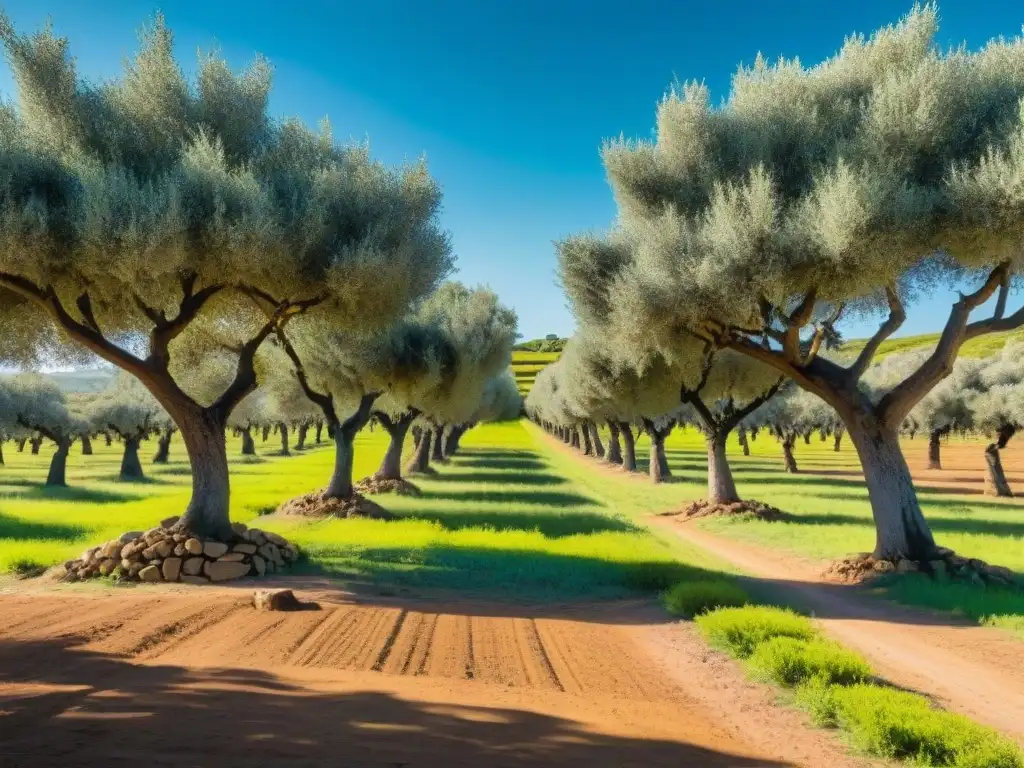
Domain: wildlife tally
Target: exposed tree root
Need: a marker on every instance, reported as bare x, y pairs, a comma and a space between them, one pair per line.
315, 505
945, 564
374, 485
757, 509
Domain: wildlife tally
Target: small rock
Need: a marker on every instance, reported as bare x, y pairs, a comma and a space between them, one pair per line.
150, 573
225, 571
275, 600
193, 566
231, 557
179, 550
247, 548
133, 570
153, 535
180, 538
194, 547
129, 536
239, 528
214, 548
164, 548
112, 549
259, 564
167, 522
189, 579
255, 536
150, 553
107, 567
883, 566
126, 563
171, 568
273, 538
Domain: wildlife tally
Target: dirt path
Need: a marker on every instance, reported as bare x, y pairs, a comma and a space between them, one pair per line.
196, 676
969, 669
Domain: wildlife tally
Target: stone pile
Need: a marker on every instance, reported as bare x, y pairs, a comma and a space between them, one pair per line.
167, 554
945, 564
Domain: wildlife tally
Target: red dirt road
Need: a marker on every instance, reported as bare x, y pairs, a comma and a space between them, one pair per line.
196, 676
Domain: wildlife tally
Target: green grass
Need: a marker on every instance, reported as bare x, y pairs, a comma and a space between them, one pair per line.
505, 518
692, 598
786, 649
983, 346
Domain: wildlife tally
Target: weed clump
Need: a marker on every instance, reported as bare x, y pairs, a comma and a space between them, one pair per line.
692, 598
739, 631
788, 661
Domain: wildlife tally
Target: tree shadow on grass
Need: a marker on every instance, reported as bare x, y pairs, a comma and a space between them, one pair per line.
551, 524
947, 524
274, 721
150, 479
497, 453
520, 464
19, 528
501, 478
545, 498
72, 494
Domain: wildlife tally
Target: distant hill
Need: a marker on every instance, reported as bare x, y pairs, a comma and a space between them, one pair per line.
549, 343
86, 380
983, 346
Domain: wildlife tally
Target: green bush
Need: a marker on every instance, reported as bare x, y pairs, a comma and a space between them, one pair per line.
904, 726
690, 598
788, 661
740, 630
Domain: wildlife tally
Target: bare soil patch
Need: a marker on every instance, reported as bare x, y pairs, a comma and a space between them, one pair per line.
174, 675
703, 508
315, 505
373, 485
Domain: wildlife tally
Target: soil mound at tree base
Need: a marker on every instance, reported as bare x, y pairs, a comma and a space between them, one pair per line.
945, 564
169, 553
757, 509
373, 485
315, 505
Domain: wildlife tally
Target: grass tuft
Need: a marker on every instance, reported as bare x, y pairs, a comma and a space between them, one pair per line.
692, 598
789, 662
740, 630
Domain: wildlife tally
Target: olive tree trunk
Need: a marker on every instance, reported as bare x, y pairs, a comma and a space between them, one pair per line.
837, 441
319, 431
21, 445
248, 444
163, 447
108, 439
787, 453
934, 449
131, 467
266, 432
397, 429
58, 463
744, 443
203, 432
614, 453
996, 482
1, 451
588, 448
452, 441
721, 485
86, 445
420, 461
900, 527
341, 485
595, 438
628, 446
283, 429
437, 446
37, 443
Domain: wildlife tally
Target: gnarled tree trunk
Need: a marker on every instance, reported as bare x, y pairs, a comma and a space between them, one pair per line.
397, 429
628, 446
721, 485
21, 444
300, 442
787, 453
595, 438
420, 461
37, 443
341, 486
86, 445
934, 448
108, 439
203, 432
996, 483
614, 453
248, 444
163, 447
588, 449
437, 447
319, 431
658, 465
837, 440
283, 429
1, 450
900, 527
131, 467
417, 435
451, 443
744, 443
58, 464
266, 432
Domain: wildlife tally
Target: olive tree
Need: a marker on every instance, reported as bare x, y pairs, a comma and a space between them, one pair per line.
38, 405
130, 411
815, 194
997, 410
250, 413
947, 408
133, 208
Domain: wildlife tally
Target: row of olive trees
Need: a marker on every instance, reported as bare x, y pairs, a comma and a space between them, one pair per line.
171, 227
809, 196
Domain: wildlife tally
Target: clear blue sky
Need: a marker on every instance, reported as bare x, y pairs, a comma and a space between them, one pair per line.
509, 100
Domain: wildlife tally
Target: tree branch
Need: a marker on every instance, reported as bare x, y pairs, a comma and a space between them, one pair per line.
245, 373
358, 420
795, 322
897, 315
325, 401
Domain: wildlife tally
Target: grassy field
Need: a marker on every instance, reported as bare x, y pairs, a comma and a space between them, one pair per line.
526, 366
508, 517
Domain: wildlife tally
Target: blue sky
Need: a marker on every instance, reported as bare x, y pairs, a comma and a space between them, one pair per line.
508, 100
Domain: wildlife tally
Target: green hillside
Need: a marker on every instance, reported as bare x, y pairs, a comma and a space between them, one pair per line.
980, 347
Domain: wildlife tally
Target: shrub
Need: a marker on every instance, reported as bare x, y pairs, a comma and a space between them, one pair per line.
740, 630
788, 661
899, 725
817, 697
690, 598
